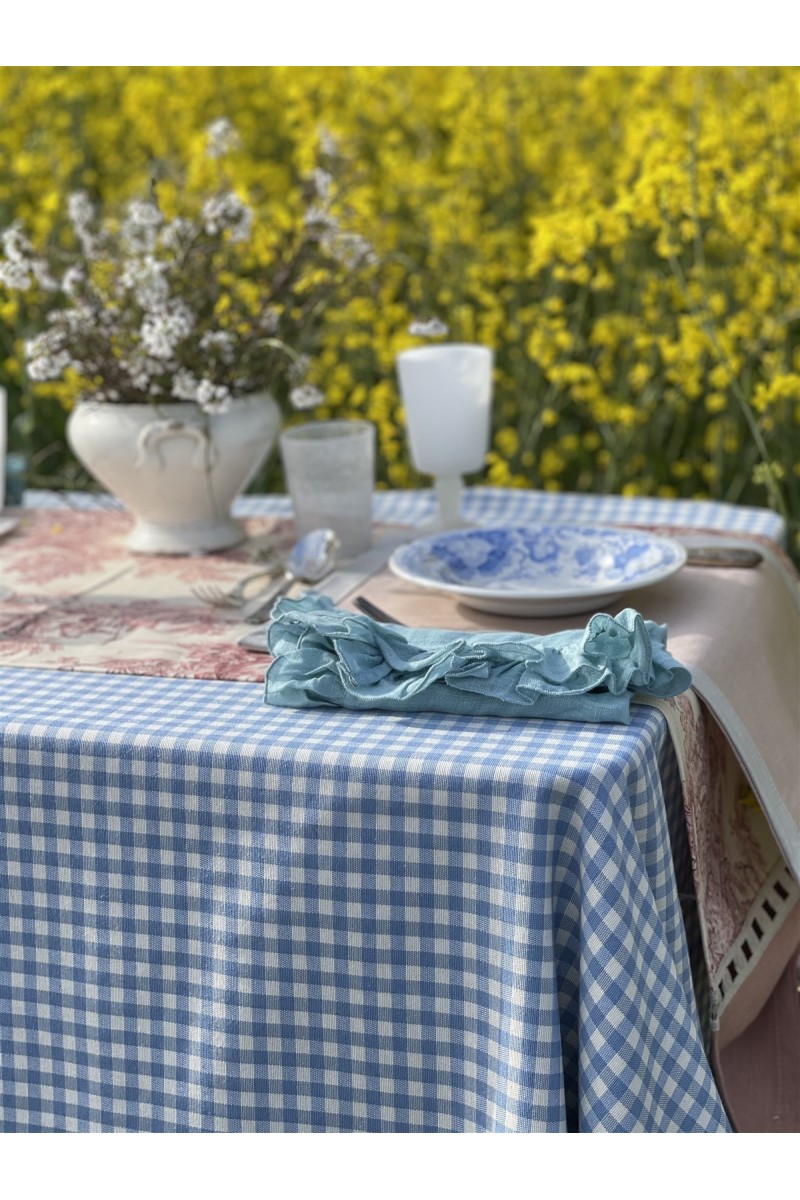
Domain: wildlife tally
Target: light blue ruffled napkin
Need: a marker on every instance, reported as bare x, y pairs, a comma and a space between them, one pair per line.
327, 657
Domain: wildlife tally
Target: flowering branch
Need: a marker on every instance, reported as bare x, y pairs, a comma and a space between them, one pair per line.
187, 309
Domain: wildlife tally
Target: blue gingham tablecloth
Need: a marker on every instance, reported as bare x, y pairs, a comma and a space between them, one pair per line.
217, 916
485, 505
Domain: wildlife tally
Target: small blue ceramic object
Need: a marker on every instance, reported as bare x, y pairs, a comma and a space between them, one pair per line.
16, 465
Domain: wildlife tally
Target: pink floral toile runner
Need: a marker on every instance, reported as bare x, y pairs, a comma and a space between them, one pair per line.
73, 598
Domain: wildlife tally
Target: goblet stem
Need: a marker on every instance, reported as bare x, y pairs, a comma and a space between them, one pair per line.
448, 490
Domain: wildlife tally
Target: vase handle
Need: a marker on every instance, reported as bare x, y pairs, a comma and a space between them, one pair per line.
154, 433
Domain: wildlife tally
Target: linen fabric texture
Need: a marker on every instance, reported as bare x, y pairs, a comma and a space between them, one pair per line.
324, 656
216, 918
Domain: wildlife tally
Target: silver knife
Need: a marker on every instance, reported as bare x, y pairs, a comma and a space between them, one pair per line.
722, 556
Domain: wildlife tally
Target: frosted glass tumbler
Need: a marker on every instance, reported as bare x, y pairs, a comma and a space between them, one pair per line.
330, 473
447, 396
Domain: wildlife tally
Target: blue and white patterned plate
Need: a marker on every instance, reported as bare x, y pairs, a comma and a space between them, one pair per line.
538, 570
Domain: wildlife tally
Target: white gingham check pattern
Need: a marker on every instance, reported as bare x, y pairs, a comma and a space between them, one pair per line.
218, 916
487, 504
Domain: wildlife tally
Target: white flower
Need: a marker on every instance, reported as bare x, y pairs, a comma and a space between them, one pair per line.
177, 233
327, 142
71, 281
44, 367
318, 214
77, 321
305, 396
219, 340
140, 371
227, 211
46, 355
80, 208
212, 397
184, 385
432, 328
157, 336
143, 373
322, 182
48, 342
139, 229
163, 329
16, 246
350, 249
22, 266
145, 278
205, 392
15, 276
81, 215
221, 138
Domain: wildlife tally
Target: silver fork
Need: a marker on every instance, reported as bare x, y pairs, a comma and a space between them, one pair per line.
234, 597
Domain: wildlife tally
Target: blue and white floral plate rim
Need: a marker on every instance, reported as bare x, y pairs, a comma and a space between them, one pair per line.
542, 570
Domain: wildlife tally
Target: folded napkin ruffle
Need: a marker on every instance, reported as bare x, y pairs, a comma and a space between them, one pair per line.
325, 657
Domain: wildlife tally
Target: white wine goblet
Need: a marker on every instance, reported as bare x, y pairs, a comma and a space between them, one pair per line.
447, 396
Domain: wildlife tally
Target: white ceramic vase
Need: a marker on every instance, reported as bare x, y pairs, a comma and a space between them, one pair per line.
174, 467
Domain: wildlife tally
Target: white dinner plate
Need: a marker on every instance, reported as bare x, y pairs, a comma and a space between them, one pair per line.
538, 570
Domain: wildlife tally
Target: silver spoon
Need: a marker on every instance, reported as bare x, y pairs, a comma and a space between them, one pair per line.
310, 559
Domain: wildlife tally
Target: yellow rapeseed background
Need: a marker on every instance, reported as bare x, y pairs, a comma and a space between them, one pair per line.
626, 238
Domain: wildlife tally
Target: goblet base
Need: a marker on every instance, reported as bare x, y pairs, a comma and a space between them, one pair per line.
436, 524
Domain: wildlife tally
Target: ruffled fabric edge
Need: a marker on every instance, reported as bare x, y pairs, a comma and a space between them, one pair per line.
325, 656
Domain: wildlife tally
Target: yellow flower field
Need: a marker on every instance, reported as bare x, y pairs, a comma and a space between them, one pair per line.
627, 239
